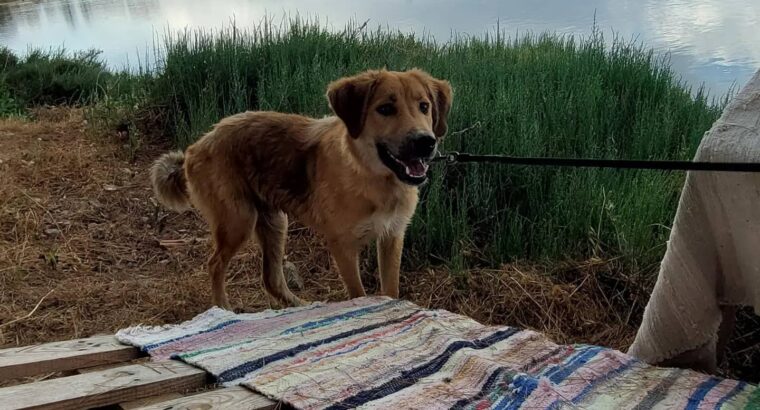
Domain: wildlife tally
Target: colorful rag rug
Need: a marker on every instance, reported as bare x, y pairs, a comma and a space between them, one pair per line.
377, 352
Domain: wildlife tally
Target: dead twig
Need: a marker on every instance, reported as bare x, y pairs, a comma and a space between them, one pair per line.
28, 315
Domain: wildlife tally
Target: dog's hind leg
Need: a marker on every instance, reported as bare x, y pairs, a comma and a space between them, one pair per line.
271, 232
231, 230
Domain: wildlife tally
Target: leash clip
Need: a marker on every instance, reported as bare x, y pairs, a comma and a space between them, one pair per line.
452, 157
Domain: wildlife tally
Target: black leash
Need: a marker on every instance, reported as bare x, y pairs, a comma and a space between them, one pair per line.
456, 157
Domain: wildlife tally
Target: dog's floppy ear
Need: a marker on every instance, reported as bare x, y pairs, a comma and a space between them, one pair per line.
442, 96
349, 98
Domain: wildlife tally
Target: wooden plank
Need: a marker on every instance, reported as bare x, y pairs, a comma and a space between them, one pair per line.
105, 367
147, 401
62, 356
105, 387
226, 398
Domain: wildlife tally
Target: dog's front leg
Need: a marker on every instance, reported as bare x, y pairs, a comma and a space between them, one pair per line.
389, 261
346, 256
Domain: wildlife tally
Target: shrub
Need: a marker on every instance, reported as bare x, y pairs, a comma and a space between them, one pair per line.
53, 77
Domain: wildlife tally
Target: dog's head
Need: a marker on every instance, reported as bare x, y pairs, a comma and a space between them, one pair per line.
395, 119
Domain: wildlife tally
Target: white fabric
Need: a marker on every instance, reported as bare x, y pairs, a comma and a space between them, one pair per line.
713, 255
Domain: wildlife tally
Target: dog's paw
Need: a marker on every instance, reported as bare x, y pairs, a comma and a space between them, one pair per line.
298, 302
222, 304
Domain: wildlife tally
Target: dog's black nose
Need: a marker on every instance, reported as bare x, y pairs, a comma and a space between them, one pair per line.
423, 145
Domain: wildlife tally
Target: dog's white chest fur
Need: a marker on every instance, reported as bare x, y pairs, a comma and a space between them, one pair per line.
381, 224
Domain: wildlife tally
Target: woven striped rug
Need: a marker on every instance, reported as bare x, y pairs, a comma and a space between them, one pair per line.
377, 352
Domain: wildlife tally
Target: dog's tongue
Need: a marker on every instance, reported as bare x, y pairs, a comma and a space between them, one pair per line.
416, 168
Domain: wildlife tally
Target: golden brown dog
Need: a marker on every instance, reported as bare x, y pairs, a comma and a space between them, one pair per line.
352, 178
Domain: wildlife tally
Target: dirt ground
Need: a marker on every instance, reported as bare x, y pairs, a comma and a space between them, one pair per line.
84, 249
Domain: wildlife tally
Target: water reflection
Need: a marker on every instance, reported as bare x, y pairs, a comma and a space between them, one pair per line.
715, 42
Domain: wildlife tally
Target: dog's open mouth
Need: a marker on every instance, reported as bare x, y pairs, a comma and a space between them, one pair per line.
412, 171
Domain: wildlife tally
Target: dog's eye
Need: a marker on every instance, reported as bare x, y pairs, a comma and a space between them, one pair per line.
386, 110
424, 107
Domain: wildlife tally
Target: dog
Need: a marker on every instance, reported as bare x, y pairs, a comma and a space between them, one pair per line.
352, 177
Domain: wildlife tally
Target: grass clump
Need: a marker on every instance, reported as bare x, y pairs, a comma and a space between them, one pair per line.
8, 105
52, 77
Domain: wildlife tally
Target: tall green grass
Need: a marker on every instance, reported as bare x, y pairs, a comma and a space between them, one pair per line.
52, 76
543, 95
540, 95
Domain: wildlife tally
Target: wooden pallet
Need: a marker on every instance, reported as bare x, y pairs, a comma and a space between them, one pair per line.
99, 371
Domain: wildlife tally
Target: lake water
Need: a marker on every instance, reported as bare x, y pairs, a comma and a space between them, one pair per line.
710, 42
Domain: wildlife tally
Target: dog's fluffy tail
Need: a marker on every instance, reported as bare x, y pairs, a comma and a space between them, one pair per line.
168, 178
